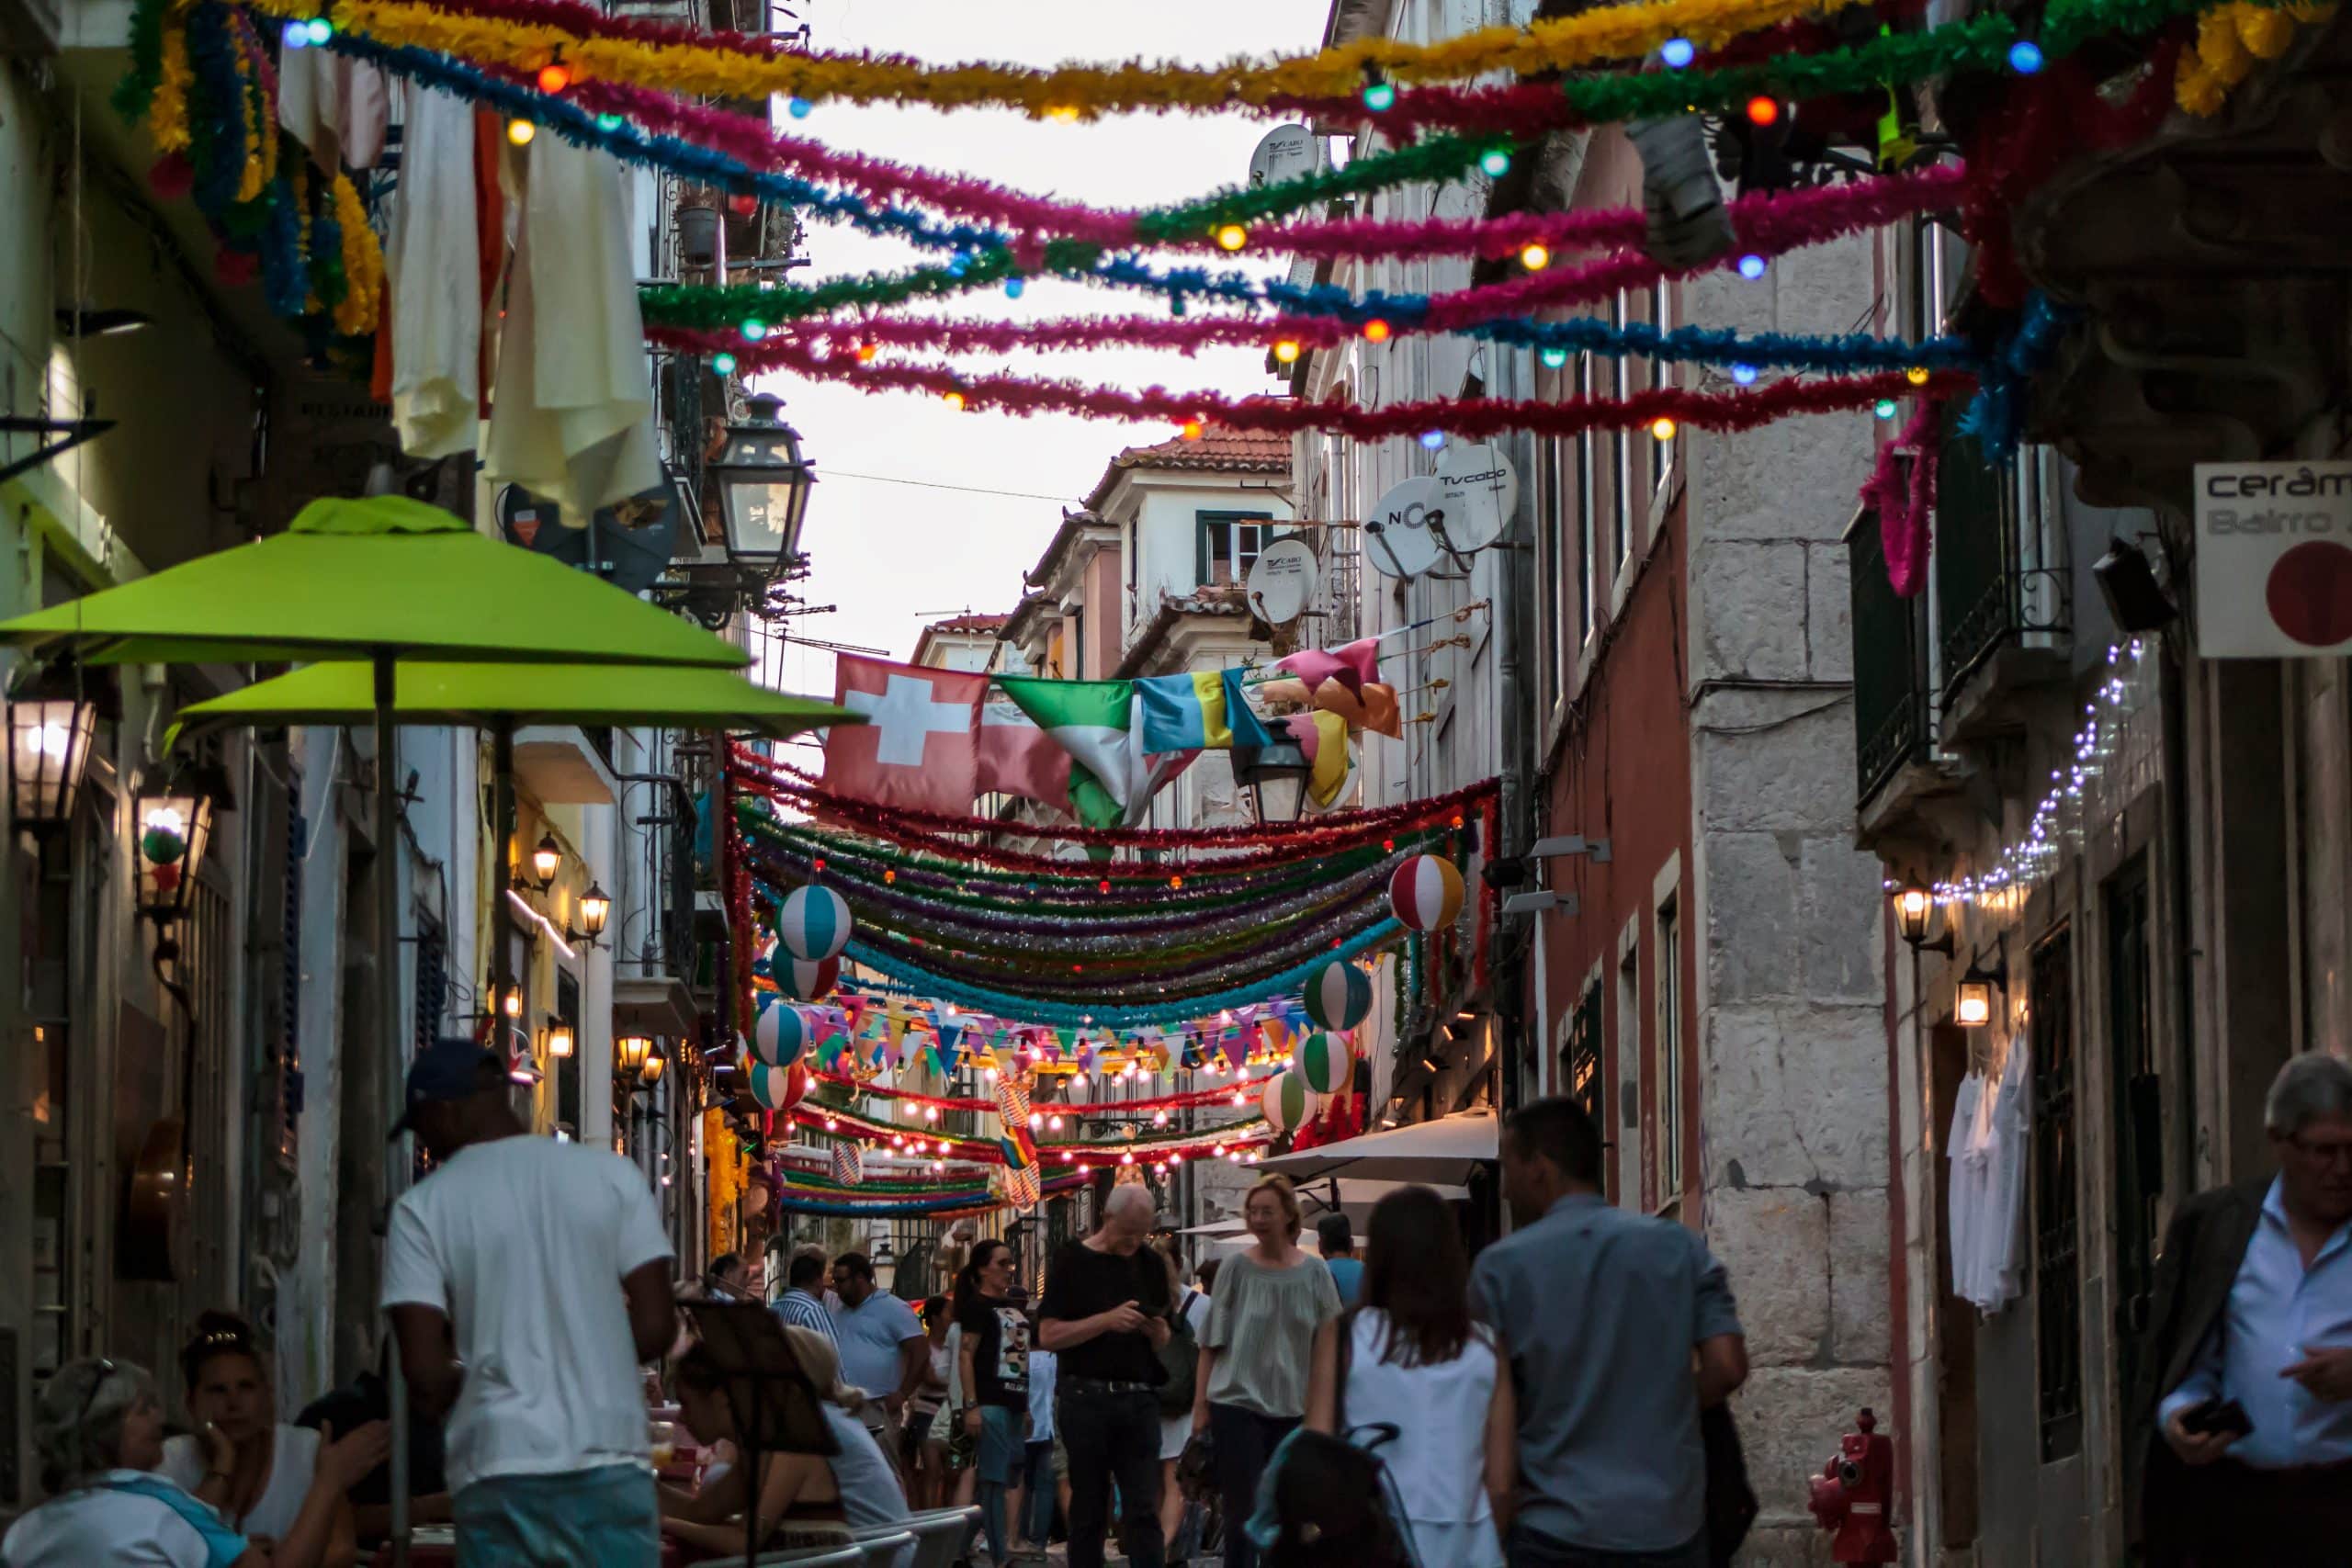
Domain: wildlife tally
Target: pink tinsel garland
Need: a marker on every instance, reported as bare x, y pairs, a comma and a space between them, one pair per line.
1905, 505
1471, 417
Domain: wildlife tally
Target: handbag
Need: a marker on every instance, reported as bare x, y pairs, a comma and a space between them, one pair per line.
1180, 1360
1731, 1501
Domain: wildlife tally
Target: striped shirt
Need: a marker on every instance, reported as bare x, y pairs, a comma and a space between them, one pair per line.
800, 1307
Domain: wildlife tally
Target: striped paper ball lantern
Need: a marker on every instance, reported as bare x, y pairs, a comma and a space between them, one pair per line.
807, 980
849, 1164
1326, 1063
1287, 1101
1337, 995
1012, 1102
781, 1034
779, 1088
1426, 893
813, 922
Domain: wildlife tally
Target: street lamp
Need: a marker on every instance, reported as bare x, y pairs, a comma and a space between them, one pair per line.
48, 747
545, 860
1972, 1008
763, 483
561, 1038
630, 1053
1276, 778
174, 825
595, 910
1914, 909
650, 1074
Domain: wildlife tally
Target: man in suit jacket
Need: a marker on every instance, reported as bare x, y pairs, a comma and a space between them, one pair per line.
2253, 1325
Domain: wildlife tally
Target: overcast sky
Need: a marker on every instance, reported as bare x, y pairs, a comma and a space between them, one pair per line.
892, 556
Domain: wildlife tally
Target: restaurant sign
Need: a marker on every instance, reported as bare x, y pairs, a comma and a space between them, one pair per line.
2273, 559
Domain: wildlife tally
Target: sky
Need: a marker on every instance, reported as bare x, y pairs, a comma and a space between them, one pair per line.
893, 556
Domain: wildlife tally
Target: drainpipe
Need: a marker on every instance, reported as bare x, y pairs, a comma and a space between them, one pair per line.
1515, 569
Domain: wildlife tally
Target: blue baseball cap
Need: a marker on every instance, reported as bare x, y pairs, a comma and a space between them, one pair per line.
449, 1069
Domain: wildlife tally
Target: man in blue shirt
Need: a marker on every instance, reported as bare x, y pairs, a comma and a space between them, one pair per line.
2250, 1342
1600, 1311
884, 1349
1337, 1240
799, 1303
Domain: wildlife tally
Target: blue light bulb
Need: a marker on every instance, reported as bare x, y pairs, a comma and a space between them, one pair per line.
1496, 161
1379, 96
297, 35
1554, 358
2025, 56
1751, 266
1433, 439
796, 108
1676, 53
1013, 287
754, 330
609, 122
1744, 373
1884, 408
723, 362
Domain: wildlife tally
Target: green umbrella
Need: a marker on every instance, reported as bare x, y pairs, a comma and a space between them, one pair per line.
624, 695
383, 579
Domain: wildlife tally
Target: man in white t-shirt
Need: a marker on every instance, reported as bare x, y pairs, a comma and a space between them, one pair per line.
527, 1280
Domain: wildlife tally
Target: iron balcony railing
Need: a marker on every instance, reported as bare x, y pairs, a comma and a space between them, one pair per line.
1890, 674
1995, 580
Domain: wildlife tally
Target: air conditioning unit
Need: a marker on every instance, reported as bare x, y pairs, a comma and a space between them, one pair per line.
30, 27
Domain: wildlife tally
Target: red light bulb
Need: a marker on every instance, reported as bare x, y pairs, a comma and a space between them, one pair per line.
1763, 110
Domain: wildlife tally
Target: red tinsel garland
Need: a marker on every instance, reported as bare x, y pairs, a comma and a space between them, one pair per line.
1120, 1111
1473, 417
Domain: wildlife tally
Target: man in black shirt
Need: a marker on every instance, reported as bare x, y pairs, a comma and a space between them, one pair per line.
1105, 1315
364, 1399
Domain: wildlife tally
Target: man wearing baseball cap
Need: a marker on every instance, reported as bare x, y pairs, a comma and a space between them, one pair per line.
527, 1280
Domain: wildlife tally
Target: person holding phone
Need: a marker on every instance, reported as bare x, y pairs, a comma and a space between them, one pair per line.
2249, 1386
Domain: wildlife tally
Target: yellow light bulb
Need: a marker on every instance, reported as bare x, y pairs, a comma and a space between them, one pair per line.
520, 131
1535, 258
1232, 237
1662, 428
1286, 352
1916, 375
1066, 114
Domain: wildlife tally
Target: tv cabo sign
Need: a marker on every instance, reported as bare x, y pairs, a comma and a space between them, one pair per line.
2273, 559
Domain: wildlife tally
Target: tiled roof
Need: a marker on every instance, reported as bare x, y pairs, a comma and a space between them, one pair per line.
954, 624
1217, 450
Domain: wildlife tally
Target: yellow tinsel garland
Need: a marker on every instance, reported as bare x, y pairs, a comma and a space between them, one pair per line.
1624, 31
167, 111
2230, 40
363, 264
254, 178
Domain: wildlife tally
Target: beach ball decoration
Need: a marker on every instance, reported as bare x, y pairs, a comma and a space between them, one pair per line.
779, 1088
807, 980
781, 1034
1326, 1063
1426, 893
1337, 995
1287, 1101
813, 922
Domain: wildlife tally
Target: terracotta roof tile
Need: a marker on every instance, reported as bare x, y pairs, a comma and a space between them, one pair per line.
1217, 450
968, 624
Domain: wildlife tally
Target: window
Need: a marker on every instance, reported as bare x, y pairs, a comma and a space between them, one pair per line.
2057, 1228
1661, 452
567, 1070
1927, 268
1229, 543
1669, 1054
1620, 514
1553, 568
1587, 509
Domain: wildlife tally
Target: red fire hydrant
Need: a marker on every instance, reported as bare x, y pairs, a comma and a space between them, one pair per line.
1853, 1492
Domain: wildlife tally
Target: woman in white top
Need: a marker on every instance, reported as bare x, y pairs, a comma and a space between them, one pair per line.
254, 1468
98, 1426
1415, 1361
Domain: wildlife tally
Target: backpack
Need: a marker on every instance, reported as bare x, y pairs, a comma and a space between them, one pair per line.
1180, 1359
1328, 1502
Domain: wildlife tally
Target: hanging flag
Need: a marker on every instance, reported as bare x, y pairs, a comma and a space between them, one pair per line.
1017, 757
1350, 665
1324, 738
1203, 709
1088, 718
918, 746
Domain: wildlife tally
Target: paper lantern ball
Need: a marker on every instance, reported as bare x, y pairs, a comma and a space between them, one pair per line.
1426, 893
1326, 1063
849, 1165
779, 1088
806, 980
1338, 995
813, 923
1287, 1102
781, 1034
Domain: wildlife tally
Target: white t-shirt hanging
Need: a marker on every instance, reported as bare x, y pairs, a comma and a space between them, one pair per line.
523, 1241
292, 1463
1961, 1209
2011, 1130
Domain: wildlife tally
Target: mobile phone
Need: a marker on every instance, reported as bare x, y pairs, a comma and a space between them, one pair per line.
2217, 1418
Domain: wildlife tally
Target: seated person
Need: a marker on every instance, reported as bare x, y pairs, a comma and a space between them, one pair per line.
367, 1398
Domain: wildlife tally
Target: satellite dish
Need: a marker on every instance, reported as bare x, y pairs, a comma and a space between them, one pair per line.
1285, 154
1479, 491
1281, 581
634, 538
1401, 534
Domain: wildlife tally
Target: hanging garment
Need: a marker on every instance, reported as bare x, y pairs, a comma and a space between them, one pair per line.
309, 103
367, 111
1962, 1210
571, 416
2011, 1130
437, 307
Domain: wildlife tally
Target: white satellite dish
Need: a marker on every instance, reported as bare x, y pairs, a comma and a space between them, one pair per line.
1479, 491
1285, 154
1281, 581
1397, 534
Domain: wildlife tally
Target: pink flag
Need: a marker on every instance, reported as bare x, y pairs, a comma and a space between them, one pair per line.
1350, 665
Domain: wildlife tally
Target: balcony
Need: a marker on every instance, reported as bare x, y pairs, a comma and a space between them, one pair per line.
1999, 582
1893, 720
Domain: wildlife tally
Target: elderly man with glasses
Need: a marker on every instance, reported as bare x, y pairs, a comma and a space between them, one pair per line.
2246, 1390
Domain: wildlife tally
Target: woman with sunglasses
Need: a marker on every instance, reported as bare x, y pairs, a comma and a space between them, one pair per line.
99, 1428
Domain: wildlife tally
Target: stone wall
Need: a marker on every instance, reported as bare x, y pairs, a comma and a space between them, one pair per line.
1790, 1010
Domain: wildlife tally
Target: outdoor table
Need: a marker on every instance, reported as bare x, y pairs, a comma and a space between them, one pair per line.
434, 1546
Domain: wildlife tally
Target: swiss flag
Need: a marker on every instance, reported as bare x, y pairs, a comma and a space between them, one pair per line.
918, 746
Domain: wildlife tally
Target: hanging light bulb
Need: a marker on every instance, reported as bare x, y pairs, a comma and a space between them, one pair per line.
798, 107
723, 362
1554, 359
1676, 53
520, 131
1286, 352
1916, 375
1662, 428
554, 77
954, 400
1744, 373
1751, 266
1231, 237
1495, 160
1535, 258
1375, 331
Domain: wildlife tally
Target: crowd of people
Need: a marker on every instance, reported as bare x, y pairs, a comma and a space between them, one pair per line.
527, 1282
